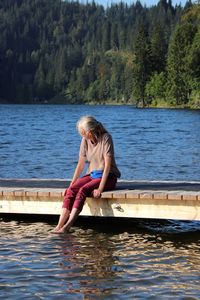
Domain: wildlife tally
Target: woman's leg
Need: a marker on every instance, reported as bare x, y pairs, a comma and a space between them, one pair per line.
69, 198
72, 218
84, 192
71, 192
62, 219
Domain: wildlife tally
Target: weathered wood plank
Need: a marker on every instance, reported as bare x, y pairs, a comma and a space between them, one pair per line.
125, 202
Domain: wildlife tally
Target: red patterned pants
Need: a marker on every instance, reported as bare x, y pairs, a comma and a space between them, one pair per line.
83, 187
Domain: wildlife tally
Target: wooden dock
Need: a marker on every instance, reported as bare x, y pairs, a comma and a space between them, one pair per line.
132, 199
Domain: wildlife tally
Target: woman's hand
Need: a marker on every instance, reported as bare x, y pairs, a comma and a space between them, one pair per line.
96, 193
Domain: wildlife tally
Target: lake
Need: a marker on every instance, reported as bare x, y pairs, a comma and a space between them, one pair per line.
99, 259
41, 141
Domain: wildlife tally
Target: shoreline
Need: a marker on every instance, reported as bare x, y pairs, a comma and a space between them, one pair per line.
159, 105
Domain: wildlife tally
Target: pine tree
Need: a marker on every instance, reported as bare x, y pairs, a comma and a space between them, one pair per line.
106, 31
158, 49
141, 66
61, 47
178, 68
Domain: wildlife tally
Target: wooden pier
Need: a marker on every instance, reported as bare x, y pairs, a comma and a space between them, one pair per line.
132, 199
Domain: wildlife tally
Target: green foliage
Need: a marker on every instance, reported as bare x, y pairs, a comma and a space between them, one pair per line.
158, 49
142, 65
193, 59
82, 52
183, 60
156, 87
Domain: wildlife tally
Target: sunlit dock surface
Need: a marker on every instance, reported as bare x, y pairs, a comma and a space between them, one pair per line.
177, 200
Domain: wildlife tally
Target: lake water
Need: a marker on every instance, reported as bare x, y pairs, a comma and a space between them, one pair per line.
100, 259
144, 260
152, 144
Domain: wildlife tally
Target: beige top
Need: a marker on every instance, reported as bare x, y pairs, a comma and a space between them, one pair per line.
95, 153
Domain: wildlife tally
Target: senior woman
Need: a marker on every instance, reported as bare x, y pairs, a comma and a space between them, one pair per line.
97, 149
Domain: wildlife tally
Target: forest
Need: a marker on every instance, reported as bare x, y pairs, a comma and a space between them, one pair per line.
56, 51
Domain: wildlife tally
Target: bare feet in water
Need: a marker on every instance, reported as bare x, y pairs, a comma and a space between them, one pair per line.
59, 230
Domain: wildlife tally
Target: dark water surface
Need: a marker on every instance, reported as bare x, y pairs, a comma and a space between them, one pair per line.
138, 261
100, 259
153, 144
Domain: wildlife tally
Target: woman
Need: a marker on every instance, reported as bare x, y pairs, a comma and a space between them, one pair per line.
97, 148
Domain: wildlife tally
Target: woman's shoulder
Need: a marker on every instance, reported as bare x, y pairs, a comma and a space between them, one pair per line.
107, 137
84, 142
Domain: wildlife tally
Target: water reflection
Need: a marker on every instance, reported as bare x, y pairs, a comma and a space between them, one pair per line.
95, 262
87, 263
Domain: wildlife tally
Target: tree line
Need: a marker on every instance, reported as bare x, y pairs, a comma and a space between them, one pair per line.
55, 50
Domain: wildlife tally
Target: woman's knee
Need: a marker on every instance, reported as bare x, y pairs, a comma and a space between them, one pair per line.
83, 192
69, 198
70, 191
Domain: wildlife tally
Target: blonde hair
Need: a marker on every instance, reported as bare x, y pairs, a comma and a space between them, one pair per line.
89, 123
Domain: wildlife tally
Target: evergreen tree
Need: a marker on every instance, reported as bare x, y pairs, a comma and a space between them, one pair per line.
51, 48
178, 69
156, 88
193, 60
141, 66
158, 49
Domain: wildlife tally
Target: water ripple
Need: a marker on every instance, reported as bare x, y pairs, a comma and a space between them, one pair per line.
87, 263
158, 144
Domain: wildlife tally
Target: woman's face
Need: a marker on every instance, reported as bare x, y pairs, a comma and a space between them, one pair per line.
83, 133
86, 134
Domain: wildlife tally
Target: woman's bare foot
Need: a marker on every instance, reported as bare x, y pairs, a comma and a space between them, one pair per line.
56, 229
60, 229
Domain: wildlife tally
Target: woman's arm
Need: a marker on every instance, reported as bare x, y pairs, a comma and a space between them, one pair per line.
97, 192
79, 169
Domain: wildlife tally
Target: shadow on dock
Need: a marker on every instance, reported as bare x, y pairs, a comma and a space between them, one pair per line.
121, 185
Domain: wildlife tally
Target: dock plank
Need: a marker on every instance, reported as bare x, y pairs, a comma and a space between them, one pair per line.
131, 199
